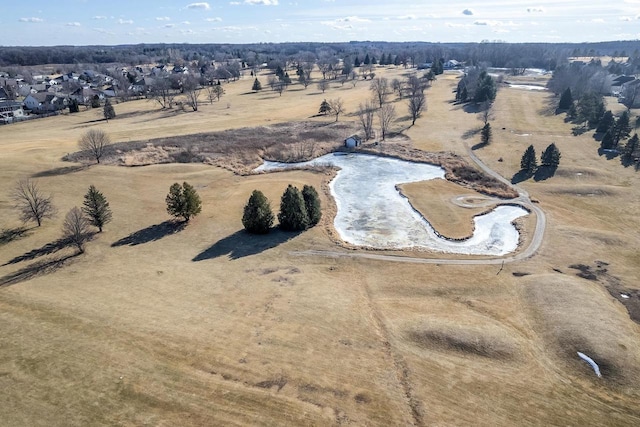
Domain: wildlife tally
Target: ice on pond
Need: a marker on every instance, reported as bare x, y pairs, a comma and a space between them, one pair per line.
373, 213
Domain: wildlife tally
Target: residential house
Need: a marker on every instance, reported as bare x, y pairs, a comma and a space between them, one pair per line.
141, 86
84, 95
10, 111
630, 94
43, 102
618, 83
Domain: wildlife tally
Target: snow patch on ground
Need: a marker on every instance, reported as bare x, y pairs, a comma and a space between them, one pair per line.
526, 87
373, 213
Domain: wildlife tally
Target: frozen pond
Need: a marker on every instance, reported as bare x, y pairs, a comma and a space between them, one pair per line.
371, 211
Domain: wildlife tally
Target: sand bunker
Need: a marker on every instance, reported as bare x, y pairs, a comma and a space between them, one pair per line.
371, 211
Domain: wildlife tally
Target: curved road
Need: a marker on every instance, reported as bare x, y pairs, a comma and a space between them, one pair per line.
522, 199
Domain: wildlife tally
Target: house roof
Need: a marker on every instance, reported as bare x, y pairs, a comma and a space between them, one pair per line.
10, 104
43, 97
620, 80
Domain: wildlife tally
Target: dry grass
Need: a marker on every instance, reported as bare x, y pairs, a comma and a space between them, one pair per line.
433, 200
209, 326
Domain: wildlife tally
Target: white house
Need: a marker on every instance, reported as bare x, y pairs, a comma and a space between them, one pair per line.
42, 102
10, 110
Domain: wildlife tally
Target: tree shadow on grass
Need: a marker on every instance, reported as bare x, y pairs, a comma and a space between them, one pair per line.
47, 249
241, 244
479, 145
60, 171
609, 153
471, 133
544, 172
38, 268
521, 175
10, 234
151, 234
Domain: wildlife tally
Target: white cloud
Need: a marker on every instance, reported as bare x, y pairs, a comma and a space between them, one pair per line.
598, 20
186, 23
216, 19
407, 17
99, 17
262, 2
34, 20
535, 9
72, 24
467, 12
163, 18
125, 21
169, 25
626, 18
481, 23
202, 5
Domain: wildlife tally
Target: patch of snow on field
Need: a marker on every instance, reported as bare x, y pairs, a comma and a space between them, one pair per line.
373, 213
526, 87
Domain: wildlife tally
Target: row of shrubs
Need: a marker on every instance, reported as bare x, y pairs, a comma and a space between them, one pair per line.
299, 210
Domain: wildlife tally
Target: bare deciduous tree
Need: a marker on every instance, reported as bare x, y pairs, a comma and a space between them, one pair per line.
380, 89
396, 86
386, 114
95, 141
192, 92
486, 111
162, 92
76, 228
417, 104
31, 203
337, 107
323, 85
365, 117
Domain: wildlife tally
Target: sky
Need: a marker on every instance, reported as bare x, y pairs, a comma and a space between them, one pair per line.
109, 22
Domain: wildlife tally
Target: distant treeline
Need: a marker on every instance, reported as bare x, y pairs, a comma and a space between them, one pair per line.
493, 53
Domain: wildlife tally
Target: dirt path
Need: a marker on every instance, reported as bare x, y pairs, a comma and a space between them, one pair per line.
523, 199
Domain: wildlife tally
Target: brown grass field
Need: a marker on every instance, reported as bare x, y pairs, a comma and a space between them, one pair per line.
210, 326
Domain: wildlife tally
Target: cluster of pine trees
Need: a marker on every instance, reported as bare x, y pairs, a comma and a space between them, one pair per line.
549, 159
299, 210
614, 131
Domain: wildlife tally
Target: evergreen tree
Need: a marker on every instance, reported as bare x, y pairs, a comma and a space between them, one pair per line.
550, 156
566, 100
606, 122
607, 141
256, 85
622, 129
312, 204
109, 112
437, 67
367, 60
293, 213
486, 134
95, 101
356, 62
73, 106
486, 90
96, 207
325, 108
257, 217
528, 162
183, 201
631, 151
373, 60
572, 113
279, 72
